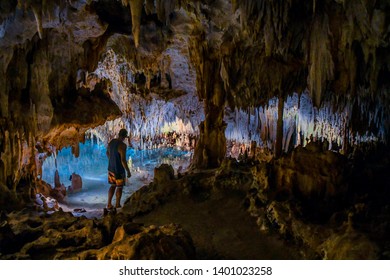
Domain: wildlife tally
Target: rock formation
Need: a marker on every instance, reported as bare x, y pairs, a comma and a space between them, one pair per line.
245, 78
62, 236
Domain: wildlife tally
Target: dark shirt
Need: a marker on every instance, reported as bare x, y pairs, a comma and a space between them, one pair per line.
114, 162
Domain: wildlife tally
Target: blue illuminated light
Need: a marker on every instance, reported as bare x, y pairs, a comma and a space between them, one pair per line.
92, 164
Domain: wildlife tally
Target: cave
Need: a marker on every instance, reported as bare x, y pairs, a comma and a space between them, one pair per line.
257, 129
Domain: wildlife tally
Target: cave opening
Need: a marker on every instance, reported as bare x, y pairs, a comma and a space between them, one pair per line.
162, 119
89, 197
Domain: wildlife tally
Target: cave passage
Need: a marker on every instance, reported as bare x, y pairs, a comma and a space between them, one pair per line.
246, 118
91, 165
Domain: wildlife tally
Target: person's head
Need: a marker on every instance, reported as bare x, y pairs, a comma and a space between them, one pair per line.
122, 133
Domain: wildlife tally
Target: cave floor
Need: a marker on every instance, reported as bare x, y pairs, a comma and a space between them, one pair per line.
220, 228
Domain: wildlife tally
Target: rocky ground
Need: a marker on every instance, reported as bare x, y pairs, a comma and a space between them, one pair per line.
220, 226
28, 235
251, 209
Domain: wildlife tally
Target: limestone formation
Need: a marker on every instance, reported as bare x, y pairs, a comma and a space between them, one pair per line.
62, 236
297, 91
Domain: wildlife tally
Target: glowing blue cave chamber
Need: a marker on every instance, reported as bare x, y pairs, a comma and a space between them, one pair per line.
91, 165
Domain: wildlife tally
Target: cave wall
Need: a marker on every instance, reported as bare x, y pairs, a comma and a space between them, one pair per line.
49, 48
334, 49
43, 45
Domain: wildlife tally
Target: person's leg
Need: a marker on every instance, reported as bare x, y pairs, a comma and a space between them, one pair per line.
120, 182
111, 192
118, 195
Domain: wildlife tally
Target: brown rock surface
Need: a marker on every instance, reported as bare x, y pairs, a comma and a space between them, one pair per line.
62, 236
319, 178
210, 207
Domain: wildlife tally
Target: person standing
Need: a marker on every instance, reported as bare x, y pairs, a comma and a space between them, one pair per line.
117, 168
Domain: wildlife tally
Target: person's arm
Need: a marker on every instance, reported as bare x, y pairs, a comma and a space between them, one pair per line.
108, 150
122, 153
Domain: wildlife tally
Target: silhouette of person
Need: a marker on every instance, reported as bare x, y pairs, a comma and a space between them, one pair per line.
117, 168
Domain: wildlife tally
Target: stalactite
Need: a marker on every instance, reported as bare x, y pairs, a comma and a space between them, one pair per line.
235, 5
328, 124
144, 116
36, 7
224, 76
136, 12
247, 8
160, 9
314, 6
3, 26
5, 58
126, 2
321, 61
279, 130
76, 150
150, 7
164, 8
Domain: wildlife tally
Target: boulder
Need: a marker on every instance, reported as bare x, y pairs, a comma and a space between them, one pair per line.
163, 173
149, 243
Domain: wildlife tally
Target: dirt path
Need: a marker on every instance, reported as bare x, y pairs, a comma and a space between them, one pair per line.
220, 228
